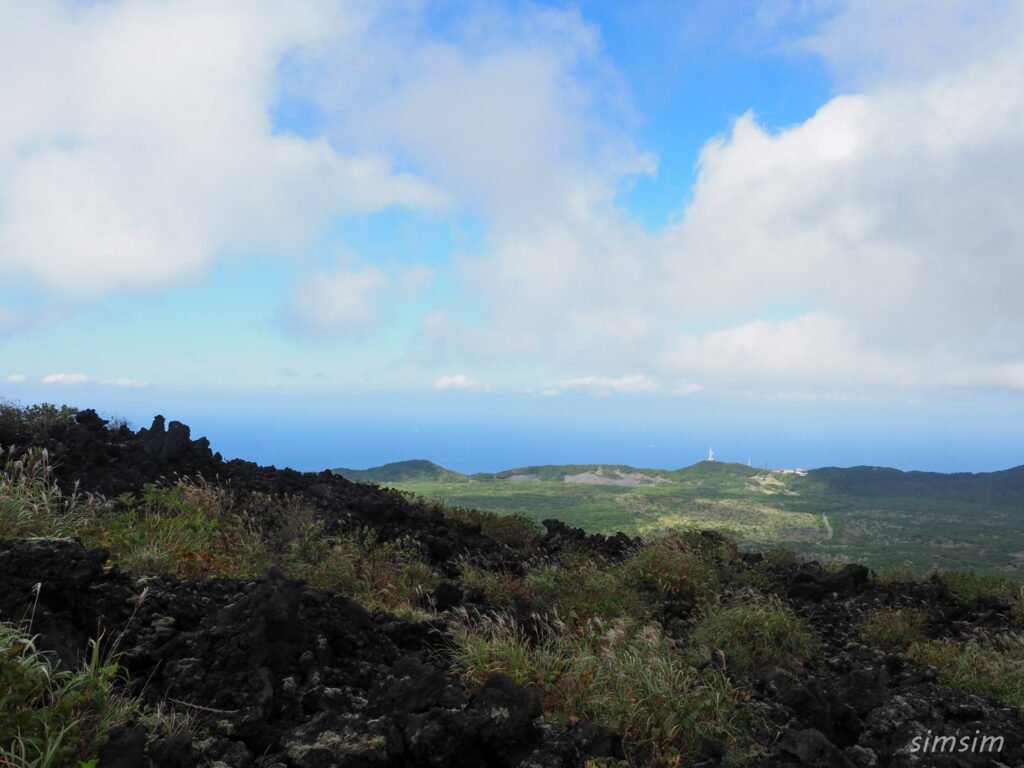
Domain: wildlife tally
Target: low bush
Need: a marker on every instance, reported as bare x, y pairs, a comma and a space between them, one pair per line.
384, 575
764, 575
32, 423
579, 588
514, 530
501, 588
189, 529
756, 634
667, 568
894, 575
892, 628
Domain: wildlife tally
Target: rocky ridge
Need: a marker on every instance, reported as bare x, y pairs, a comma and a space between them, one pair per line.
283, 674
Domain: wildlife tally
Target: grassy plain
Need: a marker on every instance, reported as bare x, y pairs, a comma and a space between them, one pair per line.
881, 517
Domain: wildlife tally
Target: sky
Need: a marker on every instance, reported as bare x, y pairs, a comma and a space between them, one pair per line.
504, 233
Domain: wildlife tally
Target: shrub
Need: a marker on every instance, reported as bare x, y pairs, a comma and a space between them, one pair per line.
580, 588
996, 671
891, 628
380, 575
764, 575
32, 423
754, 635
383, 575
189, 529
515, 530
710, 545
501, 588
669, 570
893, 575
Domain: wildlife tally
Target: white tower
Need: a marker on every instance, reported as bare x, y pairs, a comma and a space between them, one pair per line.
711, 454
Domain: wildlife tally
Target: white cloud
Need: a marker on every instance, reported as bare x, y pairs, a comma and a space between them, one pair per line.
871, 41
458, 381
65, 378
632, 383
876, 243
14, 320
514, 114
338, 303
136, 146
15, 378
417, 279
684, 387
124, 383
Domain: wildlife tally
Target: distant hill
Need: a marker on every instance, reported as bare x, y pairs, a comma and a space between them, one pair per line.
415, 470
421, 470
877, 515
1003, 487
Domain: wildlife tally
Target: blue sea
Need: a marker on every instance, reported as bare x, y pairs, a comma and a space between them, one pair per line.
492, 447
489, 433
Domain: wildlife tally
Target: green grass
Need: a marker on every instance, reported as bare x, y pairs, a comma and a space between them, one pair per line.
892, 628
52, 716
618, 673
30, 502
995, 669
754, 635
766, 512
678, 564
600, 656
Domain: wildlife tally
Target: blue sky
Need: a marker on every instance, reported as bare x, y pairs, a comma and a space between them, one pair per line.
497, 233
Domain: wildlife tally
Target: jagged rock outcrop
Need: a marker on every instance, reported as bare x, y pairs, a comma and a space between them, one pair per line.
283, 675
282, 672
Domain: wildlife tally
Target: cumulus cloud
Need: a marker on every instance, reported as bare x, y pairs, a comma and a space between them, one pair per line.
514, 113
458, 381
65, 378
124, 383
15, 378
336, 303
872, 41
876, 243
137, 145
630, 382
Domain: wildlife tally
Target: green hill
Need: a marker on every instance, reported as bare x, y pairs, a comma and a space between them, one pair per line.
1004, 487
877, 515
414, 470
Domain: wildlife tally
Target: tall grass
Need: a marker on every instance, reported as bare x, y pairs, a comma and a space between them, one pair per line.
971, 586
755, 634
31, 504
995, 669
892, 628
618, 673
53, 716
